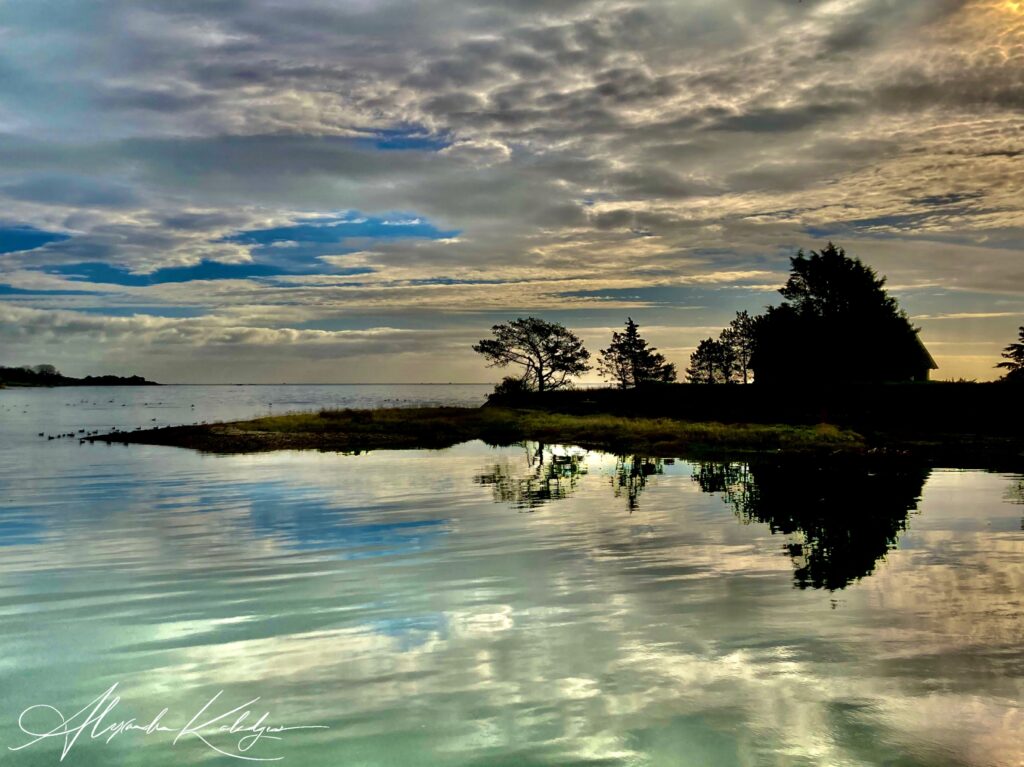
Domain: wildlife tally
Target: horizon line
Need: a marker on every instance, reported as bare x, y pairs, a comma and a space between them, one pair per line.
344, 383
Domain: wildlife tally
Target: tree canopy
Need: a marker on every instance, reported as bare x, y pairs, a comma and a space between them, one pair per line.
726, 360
713, 362
549, 353
739, 337
630, 361
837, 322
1013, 363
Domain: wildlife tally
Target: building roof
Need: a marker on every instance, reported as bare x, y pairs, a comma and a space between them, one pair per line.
927, 355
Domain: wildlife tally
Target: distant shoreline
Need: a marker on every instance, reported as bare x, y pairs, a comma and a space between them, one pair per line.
99, 381
153, 383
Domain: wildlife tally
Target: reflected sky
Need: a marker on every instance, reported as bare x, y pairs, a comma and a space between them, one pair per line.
524, 605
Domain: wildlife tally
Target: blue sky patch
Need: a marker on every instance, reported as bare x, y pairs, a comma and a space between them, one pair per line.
410, 138
18, 238
298, 247
97, 271
339, 229
294, 249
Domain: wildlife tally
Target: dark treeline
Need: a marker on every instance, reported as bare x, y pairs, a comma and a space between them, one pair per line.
48, 375
838, 350
836, 324
899, 410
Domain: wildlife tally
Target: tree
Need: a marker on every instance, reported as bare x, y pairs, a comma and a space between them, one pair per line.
550, 353
837, 322
511, 386
830, 283
629, 361
712, 362
740, 338
1014, 364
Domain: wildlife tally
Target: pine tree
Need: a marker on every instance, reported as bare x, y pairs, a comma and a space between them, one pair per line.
630, 361
1014, 364
739, 336
712, 362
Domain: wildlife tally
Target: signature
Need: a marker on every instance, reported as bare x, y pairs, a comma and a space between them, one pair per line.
234, 733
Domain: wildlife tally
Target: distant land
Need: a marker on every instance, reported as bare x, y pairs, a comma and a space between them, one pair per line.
47, 375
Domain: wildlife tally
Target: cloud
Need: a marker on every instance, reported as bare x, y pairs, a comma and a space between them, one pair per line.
205, 334
966, 316
589, 141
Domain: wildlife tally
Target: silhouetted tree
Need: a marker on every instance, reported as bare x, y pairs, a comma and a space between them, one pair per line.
1014, 364
629, 361
550, 353
837, 322
712, 362
739, 336
511, 386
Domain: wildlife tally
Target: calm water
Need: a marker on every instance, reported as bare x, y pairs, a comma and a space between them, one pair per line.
530, 605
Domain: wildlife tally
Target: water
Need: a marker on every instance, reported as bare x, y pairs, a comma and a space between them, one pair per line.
530, 605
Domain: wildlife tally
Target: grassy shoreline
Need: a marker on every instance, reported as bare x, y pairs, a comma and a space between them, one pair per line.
439, 427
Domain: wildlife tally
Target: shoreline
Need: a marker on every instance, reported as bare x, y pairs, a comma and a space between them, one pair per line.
354, 431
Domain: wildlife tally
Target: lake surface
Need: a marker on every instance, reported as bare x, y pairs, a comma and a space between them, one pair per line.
525, 605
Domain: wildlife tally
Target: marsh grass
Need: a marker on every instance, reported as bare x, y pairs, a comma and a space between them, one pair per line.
439, 427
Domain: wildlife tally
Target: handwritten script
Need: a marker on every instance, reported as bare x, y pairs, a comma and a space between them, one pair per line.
234, 733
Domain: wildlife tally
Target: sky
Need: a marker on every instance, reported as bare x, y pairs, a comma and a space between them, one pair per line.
213, 191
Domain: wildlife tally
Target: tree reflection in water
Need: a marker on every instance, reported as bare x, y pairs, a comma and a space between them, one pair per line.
842, 516
845, 515
631, 473
1016, 495
551, 475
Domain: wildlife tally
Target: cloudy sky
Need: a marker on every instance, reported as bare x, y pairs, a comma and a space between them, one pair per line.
355, 190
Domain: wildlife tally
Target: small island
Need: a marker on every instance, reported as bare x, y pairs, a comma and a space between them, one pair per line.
49, 376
